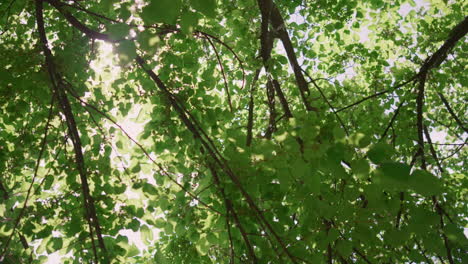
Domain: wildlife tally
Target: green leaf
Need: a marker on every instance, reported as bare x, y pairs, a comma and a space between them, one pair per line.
422, 220
161, 11
107, 5
137, 168
149, 189
49, 180
425, 183
190, 153
146, 234
160, 258
455, 234
42, 259
283, 60
396, 171
132, 251
168, 228
361, 168
206, 7
75, 225
344, 247
164, 203
380, 153
127, 51
124, 12
118, 31
299, 169
338, 133
359, 139
134, 225
180, 229
202, 246
312, 181
211, 238
54, 244
394, 236
188, 22
148, 42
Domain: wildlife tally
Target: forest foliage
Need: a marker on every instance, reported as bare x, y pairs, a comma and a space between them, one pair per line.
222, 131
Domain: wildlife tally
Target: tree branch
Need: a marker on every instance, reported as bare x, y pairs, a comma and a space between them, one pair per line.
220, 63
432, 149
230, 208
452, 113
77, 24
28, 193
279, 28
161, 169
446, 242
361, 255
272, 109
419, 121
251, 109
458, 32
283, 101
266, 39
377, 94
212, 151
59, 91
395, 114
423, 253
400, 211
328, 103
241, 63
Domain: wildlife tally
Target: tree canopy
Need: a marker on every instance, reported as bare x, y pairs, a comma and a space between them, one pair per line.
222, 131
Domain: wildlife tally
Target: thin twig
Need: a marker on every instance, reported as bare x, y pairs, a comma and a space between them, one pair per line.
395, 114
36, 169
283, 101
460, 147
166, 29
59, 90
377, 94
361, 255
250, 117
241, 63
220, 63
452, 113
145, 153
400, 211
8, 10
419, 121
200, 134
270, 91
328, 103
446, 242
230, 208
431, 148
423, 252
